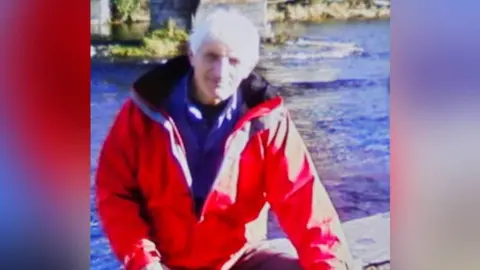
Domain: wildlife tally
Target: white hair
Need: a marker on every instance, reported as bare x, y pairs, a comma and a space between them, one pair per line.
230, 27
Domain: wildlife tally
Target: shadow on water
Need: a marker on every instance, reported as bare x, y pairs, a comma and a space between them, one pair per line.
339, 102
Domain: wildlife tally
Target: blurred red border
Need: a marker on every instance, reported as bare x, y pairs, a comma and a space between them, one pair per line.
45, 73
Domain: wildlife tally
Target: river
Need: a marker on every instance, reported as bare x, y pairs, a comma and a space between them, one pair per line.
337, 88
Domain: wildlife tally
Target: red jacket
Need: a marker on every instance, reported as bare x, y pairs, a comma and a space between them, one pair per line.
146, 207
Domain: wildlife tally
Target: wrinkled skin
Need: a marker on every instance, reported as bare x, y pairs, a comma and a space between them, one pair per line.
218, 71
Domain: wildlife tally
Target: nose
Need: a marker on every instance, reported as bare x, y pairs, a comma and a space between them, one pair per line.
221, 67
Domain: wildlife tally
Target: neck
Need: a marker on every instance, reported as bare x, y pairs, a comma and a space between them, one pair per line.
206, 101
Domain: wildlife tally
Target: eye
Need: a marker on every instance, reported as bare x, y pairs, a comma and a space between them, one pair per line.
233, 61
211, 57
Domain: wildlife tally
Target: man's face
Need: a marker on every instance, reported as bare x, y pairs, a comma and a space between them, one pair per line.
218, 71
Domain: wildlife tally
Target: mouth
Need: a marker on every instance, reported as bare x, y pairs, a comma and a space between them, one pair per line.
219, 83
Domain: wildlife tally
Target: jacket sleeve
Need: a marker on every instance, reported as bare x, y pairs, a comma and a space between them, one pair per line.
301, 203
117, 199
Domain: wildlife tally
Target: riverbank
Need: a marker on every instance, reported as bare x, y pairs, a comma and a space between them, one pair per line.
164, 42
294, 11
170, 40
320, 12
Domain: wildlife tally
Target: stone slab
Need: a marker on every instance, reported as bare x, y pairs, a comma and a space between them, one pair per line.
369, 240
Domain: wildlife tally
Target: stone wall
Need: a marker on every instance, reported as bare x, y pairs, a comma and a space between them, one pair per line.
100, 11
100, 15
182, 11
179, 10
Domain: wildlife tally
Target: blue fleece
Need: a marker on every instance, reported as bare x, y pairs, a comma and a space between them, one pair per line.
203, 138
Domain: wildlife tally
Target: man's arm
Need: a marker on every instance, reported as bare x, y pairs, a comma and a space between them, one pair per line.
301, 203
117, 196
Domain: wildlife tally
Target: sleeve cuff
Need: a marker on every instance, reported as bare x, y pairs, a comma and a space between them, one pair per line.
144, 254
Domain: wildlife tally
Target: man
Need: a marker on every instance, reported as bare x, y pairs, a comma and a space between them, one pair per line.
197, 155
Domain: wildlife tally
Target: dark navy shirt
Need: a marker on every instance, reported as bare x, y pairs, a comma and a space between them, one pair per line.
204, 130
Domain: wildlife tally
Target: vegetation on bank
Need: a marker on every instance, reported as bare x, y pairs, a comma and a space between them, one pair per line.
170, 40
278, 10
167, 41
128, 11
321, 10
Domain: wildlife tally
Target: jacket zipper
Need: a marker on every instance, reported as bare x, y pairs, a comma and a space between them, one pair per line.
183, 162
242, 122
186, 170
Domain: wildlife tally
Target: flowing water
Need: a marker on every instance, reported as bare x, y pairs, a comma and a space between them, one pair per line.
336, 80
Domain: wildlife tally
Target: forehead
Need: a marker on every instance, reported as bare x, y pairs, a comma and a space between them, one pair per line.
218, 47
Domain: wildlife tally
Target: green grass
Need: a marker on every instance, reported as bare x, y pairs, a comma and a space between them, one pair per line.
167, 41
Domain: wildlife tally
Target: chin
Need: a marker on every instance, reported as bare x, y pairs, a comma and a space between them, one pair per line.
217, 92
